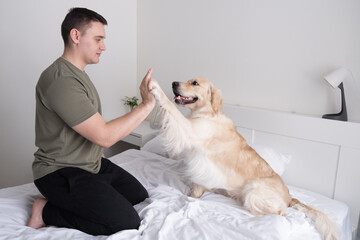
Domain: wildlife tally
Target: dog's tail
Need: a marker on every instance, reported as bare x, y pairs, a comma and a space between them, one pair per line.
322, 223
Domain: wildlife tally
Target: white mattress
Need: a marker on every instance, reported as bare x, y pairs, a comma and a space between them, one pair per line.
169, 213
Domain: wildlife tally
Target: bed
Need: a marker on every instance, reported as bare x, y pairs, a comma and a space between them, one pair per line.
317, 158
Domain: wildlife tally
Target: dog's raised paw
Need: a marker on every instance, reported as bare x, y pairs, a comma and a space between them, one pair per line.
156, 93
154, 84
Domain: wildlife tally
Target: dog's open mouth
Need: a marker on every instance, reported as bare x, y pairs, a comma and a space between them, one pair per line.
184, 100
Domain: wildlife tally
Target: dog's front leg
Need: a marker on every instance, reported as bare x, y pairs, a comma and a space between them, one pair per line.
176, 127
197, 191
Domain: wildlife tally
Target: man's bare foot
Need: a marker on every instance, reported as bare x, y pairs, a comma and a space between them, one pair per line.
36, 220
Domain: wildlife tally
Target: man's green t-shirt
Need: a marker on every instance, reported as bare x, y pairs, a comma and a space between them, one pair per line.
65, 97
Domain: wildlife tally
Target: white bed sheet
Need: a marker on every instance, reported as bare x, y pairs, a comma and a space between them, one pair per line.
169, 213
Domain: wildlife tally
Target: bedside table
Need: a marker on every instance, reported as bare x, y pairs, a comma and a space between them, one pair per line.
141, 135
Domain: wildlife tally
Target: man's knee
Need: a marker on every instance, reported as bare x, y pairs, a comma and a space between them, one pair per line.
142, 194
124, 222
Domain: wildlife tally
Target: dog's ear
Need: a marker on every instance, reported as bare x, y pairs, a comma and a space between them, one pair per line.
216, 99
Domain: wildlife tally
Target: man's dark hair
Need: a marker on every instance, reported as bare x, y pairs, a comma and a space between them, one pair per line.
79, 18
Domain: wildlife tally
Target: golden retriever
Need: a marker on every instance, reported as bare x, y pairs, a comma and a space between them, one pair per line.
217, 157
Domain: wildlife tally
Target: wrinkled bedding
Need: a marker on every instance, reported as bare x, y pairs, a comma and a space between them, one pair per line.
169, 213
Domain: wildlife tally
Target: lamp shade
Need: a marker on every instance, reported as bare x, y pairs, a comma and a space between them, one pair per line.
336, 77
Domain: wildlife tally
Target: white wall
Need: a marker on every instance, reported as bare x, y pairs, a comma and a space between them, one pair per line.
266, 54
31, 41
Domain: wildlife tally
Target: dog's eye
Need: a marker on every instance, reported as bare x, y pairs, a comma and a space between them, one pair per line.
195, 83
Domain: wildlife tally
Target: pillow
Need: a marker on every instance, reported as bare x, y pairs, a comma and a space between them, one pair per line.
276, 160
156, 145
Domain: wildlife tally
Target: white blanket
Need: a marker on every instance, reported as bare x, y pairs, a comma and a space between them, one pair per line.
169, 213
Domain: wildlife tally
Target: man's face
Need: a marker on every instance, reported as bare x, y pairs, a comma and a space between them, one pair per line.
91, 43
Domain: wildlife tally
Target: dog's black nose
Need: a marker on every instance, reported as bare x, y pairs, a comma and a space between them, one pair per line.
175, 84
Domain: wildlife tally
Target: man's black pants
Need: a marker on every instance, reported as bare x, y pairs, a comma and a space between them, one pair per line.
97, 204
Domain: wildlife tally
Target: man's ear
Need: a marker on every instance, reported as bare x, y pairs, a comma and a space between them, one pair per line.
75, 35
216, 99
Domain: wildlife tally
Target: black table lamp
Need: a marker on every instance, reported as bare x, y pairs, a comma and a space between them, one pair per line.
335, 79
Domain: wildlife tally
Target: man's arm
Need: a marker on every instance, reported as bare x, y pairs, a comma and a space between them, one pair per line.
106, 134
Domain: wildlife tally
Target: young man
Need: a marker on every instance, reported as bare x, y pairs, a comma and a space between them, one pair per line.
82, 190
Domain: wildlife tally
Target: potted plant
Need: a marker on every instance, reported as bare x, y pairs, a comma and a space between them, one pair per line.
131, 102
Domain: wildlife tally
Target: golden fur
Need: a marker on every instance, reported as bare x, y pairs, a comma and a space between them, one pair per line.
217, 157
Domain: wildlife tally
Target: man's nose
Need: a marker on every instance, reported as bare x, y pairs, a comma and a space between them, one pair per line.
103, 47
